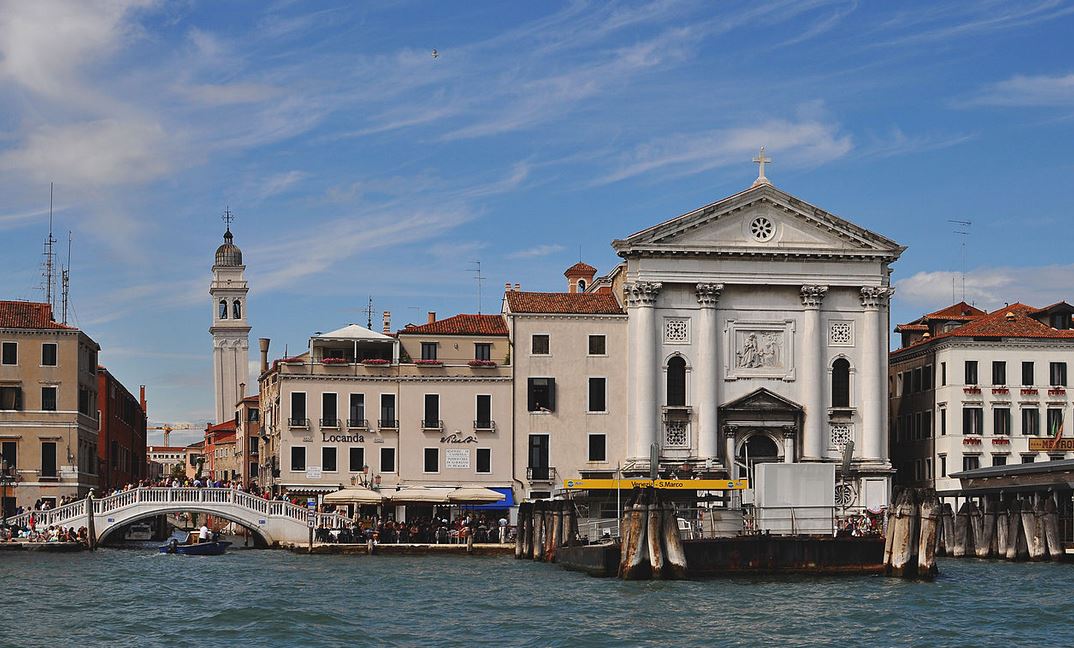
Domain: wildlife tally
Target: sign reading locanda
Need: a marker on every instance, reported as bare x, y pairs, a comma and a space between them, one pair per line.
342, 438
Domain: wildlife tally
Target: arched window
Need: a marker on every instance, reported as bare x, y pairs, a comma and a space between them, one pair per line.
581, 285
677, 382
841, 383
236, 311
223, 309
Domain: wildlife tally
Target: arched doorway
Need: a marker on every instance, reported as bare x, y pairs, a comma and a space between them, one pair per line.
757, 448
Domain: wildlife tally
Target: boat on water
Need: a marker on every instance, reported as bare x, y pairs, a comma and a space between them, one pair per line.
139, 531
190, 546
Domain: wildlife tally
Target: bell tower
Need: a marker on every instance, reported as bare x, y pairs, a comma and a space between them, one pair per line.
230, 329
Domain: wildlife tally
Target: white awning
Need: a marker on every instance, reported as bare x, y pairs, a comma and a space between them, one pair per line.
351, 333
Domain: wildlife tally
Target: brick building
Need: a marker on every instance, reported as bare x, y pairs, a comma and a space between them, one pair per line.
121, 444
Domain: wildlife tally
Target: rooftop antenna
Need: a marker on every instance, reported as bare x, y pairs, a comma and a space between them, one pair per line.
369, 314
964, 233
65, 278
480, 279
50, 280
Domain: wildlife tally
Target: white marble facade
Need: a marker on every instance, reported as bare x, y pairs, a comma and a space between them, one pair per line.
759, 295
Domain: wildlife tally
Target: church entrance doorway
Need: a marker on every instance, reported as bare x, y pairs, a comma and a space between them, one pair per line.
758, 448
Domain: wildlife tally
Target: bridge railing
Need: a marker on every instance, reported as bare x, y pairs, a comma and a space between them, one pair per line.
155, 495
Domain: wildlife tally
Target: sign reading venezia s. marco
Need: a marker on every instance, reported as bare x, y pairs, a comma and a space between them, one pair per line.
667, 484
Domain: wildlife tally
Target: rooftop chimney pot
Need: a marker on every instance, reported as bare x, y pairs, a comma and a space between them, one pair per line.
432, 317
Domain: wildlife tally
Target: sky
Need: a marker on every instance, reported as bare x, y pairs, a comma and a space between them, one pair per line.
359, 165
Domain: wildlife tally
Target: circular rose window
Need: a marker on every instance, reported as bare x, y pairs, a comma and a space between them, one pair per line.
762, 228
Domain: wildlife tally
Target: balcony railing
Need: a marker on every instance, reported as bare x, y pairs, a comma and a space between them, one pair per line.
540, 473
432, 424
358, 423
298, 422
485, 425
330, 423
389, 424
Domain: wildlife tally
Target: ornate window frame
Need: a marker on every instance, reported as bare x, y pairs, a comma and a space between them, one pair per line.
831, 331
731, 369
684, 321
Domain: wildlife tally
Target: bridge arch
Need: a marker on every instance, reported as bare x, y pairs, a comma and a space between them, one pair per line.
103, 533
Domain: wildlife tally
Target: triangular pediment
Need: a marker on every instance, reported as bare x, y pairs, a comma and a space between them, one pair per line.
762, 220
762, 400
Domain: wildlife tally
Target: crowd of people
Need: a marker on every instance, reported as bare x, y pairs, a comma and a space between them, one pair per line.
426, 530
54, 533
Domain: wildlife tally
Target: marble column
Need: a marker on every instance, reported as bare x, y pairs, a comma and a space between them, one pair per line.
813, 374
789, 433
871, 376
707, 372
644, 371
729, 449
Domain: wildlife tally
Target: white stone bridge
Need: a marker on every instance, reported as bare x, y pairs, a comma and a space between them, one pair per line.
275, 522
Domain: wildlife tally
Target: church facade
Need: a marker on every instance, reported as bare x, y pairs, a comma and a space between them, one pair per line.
758, 331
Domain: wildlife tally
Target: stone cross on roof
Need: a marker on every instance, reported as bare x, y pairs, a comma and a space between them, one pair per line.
761, 160
228, 217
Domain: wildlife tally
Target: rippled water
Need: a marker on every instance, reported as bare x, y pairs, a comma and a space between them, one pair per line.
274, 598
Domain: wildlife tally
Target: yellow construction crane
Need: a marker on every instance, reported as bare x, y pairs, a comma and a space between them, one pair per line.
168, 427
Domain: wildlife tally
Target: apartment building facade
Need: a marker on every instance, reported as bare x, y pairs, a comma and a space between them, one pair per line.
429, 405
121, 442
48, 406
971, 389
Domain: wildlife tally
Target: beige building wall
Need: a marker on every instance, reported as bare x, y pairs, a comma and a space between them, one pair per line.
31, 431
569, 426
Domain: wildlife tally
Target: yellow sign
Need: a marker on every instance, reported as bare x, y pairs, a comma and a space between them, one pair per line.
1051, 445
668, 484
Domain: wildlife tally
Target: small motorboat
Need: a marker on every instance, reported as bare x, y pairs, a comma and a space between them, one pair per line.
139, 531
191, 546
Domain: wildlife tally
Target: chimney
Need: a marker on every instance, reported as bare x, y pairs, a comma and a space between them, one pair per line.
141, 397
242, 390
507, 287
518, 287
387, 323
432, 317
264, 342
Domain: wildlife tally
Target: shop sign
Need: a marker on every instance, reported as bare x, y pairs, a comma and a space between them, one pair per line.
1051, 445
457, 458
313, 472
458, 437
342, 438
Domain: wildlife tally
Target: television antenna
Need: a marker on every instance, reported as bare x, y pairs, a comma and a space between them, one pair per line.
962, 228
480, 279
369, 313
50, 257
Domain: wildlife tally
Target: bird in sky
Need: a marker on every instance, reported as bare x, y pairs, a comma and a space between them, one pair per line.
436, 54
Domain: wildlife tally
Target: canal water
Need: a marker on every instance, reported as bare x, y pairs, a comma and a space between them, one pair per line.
119, 597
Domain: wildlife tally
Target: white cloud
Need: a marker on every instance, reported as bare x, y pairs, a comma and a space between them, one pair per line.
99, 153
223, 94
805, 142
537, 251
988, 288
1025, 91
896, 142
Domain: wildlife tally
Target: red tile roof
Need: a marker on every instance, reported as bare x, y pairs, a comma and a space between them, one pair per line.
28, 315
906, 328
1011, 321
221, 427
461, 325
580, 269
566, 303
960, 311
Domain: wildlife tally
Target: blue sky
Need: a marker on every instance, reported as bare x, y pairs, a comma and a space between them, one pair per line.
358, 164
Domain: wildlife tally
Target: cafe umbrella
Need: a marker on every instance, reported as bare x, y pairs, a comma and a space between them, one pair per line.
354, 496
475, 496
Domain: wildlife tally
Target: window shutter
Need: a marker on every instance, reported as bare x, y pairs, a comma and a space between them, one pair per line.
531, 403
552, 394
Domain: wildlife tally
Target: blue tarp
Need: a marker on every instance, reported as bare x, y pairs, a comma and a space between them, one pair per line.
508, 501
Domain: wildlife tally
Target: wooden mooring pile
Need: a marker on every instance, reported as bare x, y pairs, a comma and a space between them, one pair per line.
650, 548
919, 528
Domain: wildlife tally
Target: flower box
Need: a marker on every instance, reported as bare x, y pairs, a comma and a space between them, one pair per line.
1030, 391
482, 363
971, 441
335, 361
1000, 390
972, 390
1057, 391
376, 362
429, 363
1001, 441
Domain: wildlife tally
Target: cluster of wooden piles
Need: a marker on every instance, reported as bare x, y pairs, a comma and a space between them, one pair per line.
913, 527
651, 546
998, 527
543, 527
